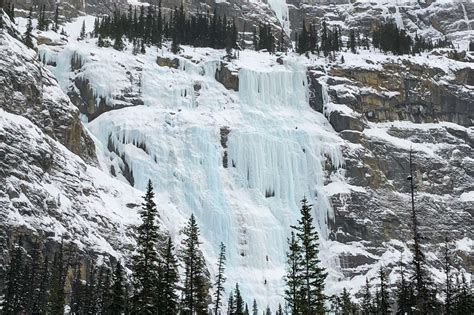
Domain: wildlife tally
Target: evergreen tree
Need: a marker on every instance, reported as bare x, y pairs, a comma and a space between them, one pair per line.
170, 278
303, 42
103, 293
463, 298
352, 41
294, 280
347, 306
145, 261
82, 35
118, 298
231, 304
425, 298
254, 307
58, 277
239, 302
313, 275
78, 292
280, 310
27, 37
448, 289
196, 286
56, 19
367, 303
404, 292
384, 300
220, 279
325, 43
90, 296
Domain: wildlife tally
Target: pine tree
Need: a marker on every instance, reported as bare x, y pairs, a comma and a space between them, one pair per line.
220, 279
313, 275
303, 40
90, 296
103, 294
118, 291
82, 35
404, 292
145, 261
238, 300
58, 277
425, 298
463, 300
27, 37
231, 304
78, 291
384, 304
56, 19
352, 41
170, 279
294, 281
280, 310
196, 286
367, 303
254, 307
448, 289
347, 307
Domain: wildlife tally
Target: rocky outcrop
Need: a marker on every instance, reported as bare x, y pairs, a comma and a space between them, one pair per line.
405, 91
30, 90
228, 78
167, 62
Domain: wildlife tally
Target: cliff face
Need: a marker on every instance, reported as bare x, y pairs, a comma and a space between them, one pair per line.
238, 143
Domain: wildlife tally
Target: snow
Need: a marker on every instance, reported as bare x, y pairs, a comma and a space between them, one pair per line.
277, 150
467, 196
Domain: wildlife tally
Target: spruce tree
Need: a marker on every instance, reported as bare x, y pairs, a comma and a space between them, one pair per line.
27, 37
293, 279
170, 279
404, 294
254, 307
238, 300
448, 288
145, 260
78, 291
313, 275
56, 19
90, 296
347, 306
303, 41
367, 303
425, 298
196, 286
352, 41
118, 291
384, 301
82, 35
463, 298
220, 279
58, 278
231, 304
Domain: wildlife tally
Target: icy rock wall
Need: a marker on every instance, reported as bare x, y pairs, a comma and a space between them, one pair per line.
277, 153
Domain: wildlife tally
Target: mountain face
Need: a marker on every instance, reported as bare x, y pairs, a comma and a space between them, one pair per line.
239, 143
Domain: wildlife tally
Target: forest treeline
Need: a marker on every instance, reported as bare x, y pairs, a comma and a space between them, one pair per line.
149, 282
148, 26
